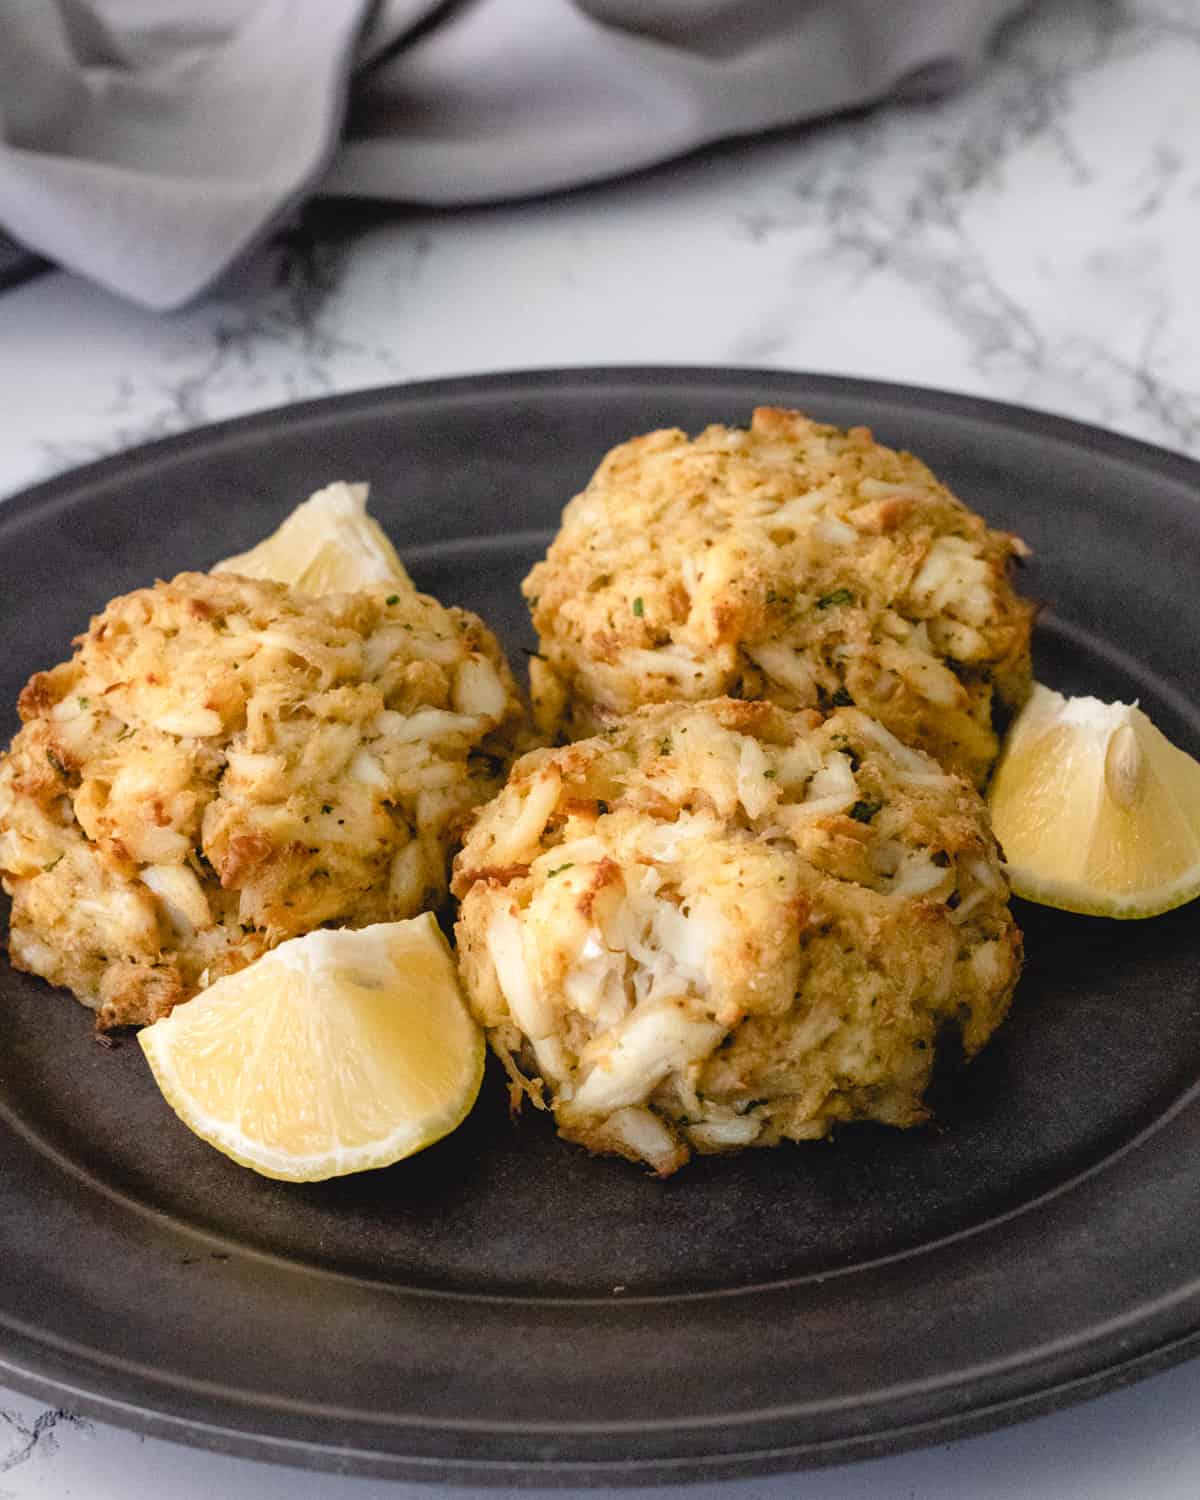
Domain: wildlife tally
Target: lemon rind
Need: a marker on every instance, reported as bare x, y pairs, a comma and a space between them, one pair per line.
1065, 897
408, 1136
1094, 717
283, 1167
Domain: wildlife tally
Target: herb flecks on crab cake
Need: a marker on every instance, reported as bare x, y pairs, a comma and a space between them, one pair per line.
729, 924
790, 561
226, 763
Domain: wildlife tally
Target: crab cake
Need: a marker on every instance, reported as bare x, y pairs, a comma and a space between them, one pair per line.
793, 562
729, 924
225, 763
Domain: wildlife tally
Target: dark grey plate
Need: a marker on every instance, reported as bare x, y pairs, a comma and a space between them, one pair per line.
504, 1308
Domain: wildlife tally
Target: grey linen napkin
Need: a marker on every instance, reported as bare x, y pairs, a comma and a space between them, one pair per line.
146, 144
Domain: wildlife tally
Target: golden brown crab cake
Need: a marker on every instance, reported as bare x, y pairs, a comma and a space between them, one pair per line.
225, 763
729, 924
791, 561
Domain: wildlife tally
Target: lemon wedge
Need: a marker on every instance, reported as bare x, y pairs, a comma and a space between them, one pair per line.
334, 1053
1096, 810
328, 545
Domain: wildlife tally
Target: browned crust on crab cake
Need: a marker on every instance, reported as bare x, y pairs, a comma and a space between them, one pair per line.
791, 561
730, 924
225, 763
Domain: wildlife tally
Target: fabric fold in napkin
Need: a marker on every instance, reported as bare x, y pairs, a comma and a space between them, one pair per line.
147, 144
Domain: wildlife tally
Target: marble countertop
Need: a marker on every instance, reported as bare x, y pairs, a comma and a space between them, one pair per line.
1032, 239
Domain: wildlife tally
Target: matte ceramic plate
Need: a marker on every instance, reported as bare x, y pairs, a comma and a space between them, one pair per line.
505, 1308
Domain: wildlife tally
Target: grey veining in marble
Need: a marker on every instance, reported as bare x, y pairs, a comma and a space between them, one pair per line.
36, 1436
1032, 239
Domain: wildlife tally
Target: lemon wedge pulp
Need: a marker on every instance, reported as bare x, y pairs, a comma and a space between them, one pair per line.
328, 545
334, 1053
1096, 810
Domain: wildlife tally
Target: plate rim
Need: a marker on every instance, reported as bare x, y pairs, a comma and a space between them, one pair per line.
1172, 463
